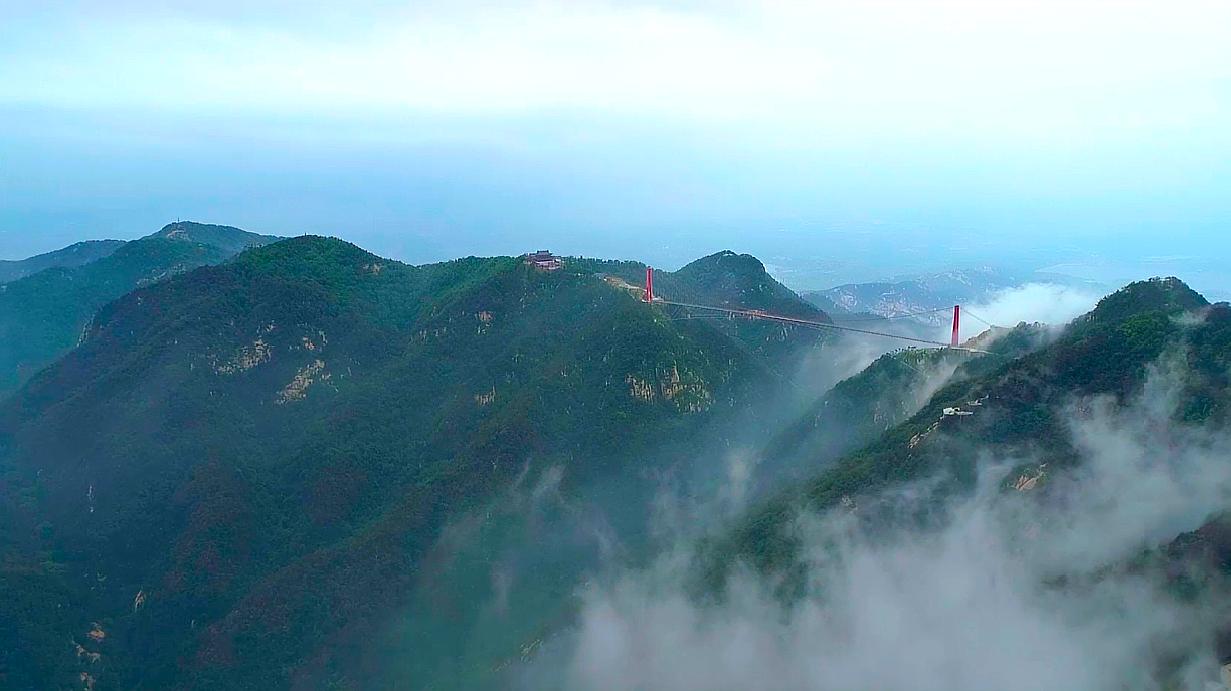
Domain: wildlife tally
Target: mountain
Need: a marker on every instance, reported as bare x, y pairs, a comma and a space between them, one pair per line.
1054, 516
859, 409
724, 279
311, 466
1018, 407
737, 280
43, 315
224, 238
821, 300
931, 292
71, 256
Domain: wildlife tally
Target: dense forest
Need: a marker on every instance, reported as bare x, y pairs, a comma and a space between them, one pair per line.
296, 464
253, 461
47, 301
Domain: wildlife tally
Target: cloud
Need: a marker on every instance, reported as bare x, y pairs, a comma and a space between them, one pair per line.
1047, 303
646, 129
1115, 66
1144, 478
969, 603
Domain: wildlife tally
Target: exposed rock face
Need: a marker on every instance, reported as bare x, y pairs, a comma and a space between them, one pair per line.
687, 391
486, 398
297, 389
245, 358
640, 389
1028, 481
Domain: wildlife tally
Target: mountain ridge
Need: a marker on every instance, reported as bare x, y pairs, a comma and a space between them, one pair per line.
76, 254
916, 295
43, 315
352, 407
306, 461
1105, 352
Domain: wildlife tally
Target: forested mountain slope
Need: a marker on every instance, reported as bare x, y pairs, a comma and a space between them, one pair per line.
1053, 517
722, 279
1106, 451
1020, 408
76, 254
42, 315
245, 472
859, 409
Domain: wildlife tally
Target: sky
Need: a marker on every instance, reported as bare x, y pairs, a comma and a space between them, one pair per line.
838, 141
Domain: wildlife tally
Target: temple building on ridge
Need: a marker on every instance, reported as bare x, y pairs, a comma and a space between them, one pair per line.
543, 260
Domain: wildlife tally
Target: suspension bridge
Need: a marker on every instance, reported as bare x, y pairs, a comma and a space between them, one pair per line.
648, 295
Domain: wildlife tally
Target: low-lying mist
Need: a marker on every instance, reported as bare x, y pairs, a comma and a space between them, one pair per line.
506, 576
1046, 303
1021, 583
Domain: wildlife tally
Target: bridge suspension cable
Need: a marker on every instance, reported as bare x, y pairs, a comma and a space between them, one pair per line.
759, 314
981, 319
879, 318
650, 297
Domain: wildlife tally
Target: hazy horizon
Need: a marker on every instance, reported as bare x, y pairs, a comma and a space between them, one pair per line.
837, 143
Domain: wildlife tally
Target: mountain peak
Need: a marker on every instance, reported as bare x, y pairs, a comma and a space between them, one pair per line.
741, 280
326, 260
311, 246
1157, 294
728, 260
226, 238
737, 271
